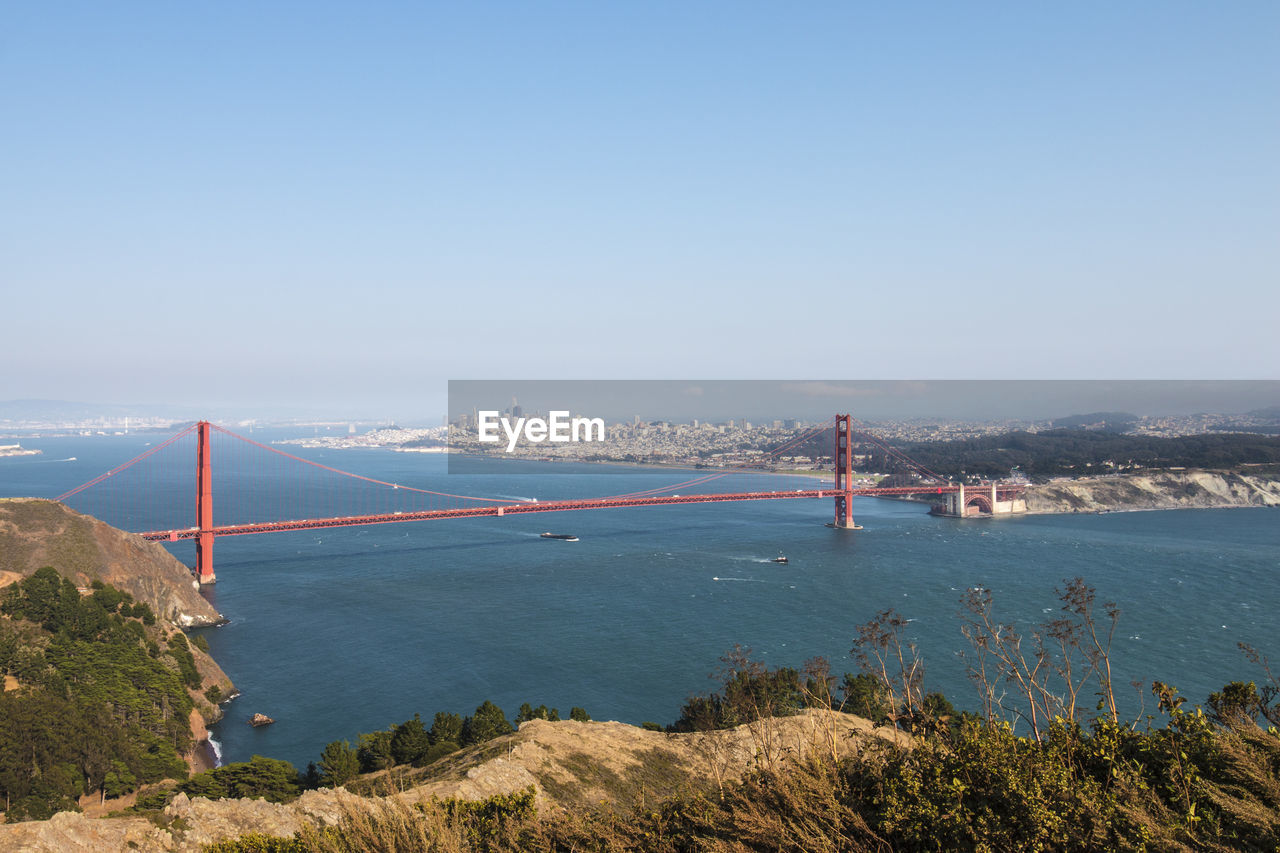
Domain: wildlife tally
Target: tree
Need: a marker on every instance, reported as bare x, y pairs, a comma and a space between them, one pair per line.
339, 764
118, 781
180, 651
446, 728
488, 723
1067, 654
864, 695
269, 778
882, 651
528, 712
576, 713
410, 741
374, 751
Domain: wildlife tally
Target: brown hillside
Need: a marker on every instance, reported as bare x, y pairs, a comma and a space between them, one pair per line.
36, 533
570, 765
611, 765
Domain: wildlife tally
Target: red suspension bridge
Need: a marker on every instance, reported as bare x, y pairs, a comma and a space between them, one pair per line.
144, 496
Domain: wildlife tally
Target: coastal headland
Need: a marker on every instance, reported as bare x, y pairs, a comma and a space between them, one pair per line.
1194, 489
90, 555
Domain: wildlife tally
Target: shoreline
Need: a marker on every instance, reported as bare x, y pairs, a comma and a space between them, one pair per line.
1117, 509
204, 756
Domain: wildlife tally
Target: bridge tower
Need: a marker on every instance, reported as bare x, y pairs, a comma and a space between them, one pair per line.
204, 506
844, 475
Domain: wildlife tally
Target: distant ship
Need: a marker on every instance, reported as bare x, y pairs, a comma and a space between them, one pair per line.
779, 559
568, 537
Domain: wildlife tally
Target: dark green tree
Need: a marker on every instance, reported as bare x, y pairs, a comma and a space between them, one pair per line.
180, 651
374, 751
864, 695
119, 780
488, 723
267, 778
446, 728
410, 741
528, 712
339, 764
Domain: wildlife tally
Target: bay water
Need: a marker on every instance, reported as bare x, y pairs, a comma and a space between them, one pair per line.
348, 630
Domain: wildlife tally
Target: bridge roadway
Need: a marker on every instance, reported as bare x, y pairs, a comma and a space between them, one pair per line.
531, 506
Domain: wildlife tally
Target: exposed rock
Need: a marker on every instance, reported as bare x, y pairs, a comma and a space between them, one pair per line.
260, 720
202, 821
1158, 490
71, 832
189, 825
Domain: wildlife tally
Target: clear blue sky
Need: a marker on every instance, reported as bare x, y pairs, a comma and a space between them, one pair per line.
339, 206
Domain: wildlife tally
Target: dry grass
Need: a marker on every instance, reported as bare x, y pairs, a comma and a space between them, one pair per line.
387, 826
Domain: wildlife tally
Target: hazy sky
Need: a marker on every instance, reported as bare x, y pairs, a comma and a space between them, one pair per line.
764, 400
340, 206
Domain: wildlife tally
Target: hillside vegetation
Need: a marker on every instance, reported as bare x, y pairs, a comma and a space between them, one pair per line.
102, 695
1074, 452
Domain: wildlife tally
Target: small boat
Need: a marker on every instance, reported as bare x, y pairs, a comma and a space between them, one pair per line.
567, 537
779, 559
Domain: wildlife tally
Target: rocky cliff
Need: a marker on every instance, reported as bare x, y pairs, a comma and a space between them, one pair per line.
35, 533
1194, 489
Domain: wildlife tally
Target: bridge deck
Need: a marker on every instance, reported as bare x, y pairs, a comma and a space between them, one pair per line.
533, 506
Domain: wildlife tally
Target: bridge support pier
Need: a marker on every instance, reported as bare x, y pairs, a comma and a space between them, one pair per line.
981, 502
844, 475
204, 560
204, 507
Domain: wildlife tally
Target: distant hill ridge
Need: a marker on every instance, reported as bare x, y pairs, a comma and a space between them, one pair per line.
67, 410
